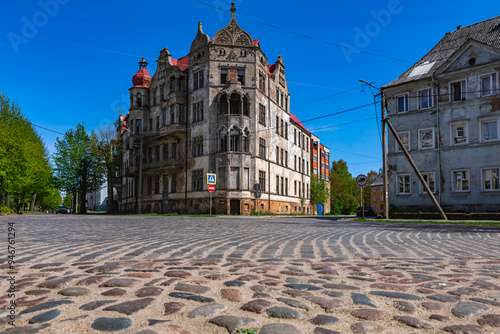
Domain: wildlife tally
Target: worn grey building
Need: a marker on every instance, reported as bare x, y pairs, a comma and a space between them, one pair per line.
446, 110
220, 109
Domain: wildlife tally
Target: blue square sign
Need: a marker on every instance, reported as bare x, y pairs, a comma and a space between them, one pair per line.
211, 178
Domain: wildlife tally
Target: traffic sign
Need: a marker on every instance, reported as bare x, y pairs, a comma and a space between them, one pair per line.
361, 180
211, 188
256, 187
257, 194
211, 178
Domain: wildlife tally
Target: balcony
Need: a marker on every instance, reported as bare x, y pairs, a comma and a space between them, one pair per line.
163, 166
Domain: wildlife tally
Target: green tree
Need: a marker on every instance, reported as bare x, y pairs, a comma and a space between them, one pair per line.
25, 171
344, 192
107, 148
319, 190
80, 167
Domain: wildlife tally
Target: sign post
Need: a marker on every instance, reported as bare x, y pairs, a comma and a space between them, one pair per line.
257, 194
211, 178
362, 180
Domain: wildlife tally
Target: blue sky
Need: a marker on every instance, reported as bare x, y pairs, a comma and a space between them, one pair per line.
72, 61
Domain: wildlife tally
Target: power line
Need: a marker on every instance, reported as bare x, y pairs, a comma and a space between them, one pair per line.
326, 97
360, 155
41, 127
306, 36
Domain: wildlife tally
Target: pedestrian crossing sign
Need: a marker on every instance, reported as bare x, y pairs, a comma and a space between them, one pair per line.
211, 178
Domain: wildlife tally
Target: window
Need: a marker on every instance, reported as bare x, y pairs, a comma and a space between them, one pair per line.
315, 157
295, 136
459, 134
277, 155
282, 158
172, 84
173, 185
174, 150
286, 104
197, 178
303, 166
460, 180
223, 76
222, 140
241, 77
172, 114
489, 129
157, 184
138, 99
197, 146
235, 140
277, 96
235, 104
489, 85
405, 138
315, 171
262, 82
246, 141
404, 184
277, 184
286, 158
198, 111
157, 122
165, 183
282, 186
262, 114
198, 80
150, 185
150, 154
426, 139
429, 179
425, 98
457, 91
165, 152
286, 186
162, 93
286, 130
150, 124
154, 97
295, 162
262, 181
299, 188
490, 179
282, 135
262, 148
164, 117
402, 103
157, 153
277, 125
374, 198
295, 187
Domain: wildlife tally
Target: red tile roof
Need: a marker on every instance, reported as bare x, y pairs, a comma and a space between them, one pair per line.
182, 63
270, 69
299, 123
256, 42
142, 78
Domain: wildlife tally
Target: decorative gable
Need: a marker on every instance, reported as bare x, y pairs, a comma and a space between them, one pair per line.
472, 53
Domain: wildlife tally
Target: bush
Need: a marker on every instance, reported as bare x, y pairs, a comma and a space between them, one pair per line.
5, 210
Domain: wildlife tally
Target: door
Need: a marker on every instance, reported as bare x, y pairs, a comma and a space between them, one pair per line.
234, 207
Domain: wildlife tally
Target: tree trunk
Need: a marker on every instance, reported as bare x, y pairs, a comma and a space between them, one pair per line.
83, 200
40, 206
7, 200
16, 204
33, 202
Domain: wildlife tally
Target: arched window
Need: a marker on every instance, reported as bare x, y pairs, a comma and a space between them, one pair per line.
222, 140
138, 99
246, 106
235, 140
235, 104
223, 105
246, 141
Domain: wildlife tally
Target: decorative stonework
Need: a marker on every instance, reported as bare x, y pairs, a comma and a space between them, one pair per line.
232, 56
232, 34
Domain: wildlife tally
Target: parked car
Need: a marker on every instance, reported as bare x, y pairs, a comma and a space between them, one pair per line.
62, 209
369, 211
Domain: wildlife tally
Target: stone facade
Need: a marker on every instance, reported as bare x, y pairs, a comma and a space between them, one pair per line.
220, 109
446, 109
320, 166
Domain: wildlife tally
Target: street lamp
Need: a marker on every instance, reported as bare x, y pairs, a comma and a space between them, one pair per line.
139, 201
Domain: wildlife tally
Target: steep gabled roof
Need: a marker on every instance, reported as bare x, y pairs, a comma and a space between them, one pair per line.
298, 122
486, 32
181, 63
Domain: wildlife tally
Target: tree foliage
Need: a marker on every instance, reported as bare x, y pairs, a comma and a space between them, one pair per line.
344, 192
372, 176
319, 190
107, 149
80, 167
25, 172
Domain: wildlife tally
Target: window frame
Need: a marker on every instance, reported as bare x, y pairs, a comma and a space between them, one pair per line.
493, 84
455, 125
197, 180
420, 147
397, 97
397, 148
262, 114
487, 120
463, 91
483, 179
430, 99
422, 188
398, 189
454, 181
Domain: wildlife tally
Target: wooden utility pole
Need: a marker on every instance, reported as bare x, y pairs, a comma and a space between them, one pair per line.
384, 157
415, 168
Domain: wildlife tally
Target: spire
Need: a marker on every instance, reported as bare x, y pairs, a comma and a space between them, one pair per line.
233, 9
143, 63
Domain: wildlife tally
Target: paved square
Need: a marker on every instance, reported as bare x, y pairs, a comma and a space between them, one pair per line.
128, 274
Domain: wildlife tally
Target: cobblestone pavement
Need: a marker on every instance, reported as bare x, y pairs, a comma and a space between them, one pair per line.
146, 275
